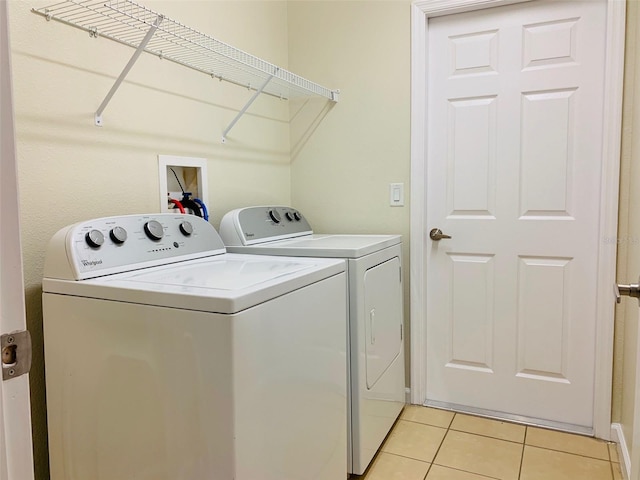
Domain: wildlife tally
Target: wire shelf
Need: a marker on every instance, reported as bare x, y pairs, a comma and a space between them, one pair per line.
128, 22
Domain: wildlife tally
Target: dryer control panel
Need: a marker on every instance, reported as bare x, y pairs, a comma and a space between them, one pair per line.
252, 225
109, 245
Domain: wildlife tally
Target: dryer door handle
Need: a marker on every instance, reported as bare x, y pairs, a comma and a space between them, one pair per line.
372, 322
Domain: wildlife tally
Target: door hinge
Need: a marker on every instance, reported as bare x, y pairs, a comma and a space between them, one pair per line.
16, 354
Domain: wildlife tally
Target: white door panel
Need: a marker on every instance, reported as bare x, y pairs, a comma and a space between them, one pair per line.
514, 137
16, 458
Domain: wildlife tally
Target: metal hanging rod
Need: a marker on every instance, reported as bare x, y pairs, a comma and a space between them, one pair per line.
135, 25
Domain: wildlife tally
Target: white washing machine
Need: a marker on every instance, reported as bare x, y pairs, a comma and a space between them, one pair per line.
169, 359
374, 265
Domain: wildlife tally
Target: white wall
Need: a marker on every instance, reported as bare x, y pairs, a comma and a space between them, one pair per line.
71, 170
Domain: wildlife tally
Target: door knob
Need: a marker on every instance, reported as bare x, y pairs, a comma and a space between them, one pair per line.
632, 290
436, 234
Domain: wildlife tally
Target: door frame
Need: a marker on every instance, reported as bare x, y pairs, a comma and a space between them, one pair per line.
421, 11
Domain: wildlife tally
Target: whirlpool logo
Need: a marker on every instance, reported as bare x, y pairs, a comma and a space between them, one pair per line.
91, 263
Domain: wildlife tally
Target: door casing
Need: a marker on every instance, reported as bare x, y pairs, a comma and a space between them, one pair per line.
615, 37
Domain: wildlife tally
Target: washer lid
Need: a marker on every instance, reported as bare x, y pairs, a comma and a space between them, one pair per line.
225, 283
224, 274
330, 246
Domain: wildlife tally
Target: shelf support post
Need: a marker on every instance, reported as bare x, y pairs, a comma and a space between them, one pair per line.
127, 68
244, 109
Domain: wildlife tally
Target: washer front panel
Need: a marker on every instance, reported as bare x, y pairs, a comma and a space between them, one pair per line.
140, 391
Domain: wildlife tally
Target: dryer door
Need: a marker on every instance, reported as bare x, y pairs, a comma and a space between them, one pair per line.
383, 317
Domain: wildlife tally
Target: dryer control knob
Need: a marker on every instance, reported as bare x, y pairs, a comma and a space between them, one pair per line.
275, 216
186, 228
289, 216
118, 235
154, 230
94, 238
297, 216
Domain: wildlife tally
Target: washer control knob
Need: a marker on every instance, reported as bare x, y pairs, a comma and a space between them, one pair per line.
118, 235
94, 238
289, 216
297, 216
275, 216
186, 228
154, 230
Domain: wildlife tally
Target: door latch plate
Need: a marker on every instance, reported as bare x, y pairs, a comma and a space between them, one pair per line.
16, 354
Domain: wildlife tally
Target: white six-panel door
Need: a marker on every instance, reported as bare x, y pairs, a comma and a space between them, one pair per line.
515, 109
16, 458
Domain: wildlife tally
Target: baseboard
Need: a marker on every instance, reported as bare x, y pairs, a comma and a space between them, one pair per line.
623, 451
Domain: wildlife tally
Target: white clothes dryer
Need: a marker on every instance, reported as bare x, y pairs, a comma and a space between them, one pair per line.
374, 266
168, 358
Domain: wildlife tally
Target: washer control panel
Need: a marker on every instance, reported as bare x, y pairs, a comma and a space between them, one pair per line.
251, 225
114, 244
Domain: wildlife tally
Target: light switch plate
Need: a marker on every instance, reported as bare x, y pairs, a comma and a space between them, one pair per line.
396, 194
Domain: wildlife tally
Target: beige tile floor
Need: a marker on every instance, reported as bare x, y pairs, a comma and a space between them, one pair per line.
432, 444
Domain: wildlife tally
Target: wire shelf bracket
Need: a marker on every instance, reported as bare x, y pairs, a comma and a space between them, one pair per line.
125, 71
144, 30
244, 109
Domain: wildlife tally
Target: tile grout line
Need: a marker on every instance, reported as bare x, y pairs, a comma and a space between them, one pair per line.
524, 444
613, 476
450, 429
404, 456
467, 471
487, 436
433, 460
378, 452
568, 453
611, 462
467, 431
